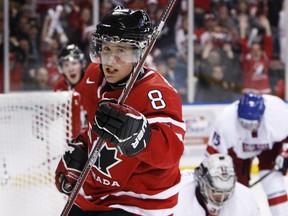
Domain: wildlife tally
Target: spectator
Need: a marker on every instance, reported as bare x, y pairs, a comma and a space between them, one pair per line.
52, 66
16, 73
273, 15
255, 71
34, 36
219, 77
166, 39
105, 7
162, 68
258, 31
276, 76
135, 4
42, 79
181, 81
175, 72
29, 74
181, 37
77, 27
204, 34
200, 9
152, 8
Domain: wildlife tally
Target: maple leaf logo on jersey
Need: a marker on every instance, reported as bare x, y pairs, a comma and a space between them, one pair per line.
106, 160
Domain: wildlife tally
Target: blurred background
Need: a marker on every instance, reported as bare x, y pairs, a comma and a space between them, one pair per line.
210, 51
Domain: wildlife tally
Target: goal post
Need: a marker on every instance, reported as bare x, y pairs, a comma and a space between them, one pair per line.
34, 129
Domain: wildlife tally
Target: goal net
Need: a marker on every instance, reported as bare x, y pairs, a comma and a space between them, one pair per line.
34, 128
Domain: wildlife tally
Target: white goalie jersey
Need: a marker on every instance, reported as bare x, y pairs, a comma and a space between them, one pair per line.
241, 203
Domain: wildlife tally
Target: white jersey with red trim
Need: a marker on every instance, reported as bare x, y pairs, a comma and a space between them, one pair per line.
228, 133
148, 183
241, 203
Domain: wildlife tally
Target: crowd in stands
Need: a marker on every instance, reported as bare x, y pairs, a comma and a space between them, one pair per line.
237, 44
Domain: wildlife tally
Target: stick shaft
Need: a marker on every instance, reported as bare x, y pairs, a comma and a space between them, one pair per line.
260, 179
129, 85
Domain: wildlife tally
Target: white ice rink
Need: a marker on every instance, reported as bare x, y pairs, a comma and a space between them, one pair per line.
33, 201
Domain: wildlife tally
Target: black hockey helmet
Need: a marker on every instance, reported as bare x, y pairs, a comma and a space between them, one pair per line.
71, 52
126, 26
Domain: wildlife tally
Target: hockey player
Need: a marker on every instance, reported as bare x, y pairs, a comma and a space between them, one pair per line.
212, 190
137, 169
72, 63
256, 126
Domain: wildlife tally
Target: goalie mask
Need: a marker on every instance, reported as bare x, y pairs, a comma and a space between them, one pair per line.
251, 108
216, 180
125, 28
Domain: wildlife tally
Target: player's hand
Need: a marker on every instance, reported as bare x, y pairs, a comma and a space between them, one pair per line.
122, 126
281, 162
70, 166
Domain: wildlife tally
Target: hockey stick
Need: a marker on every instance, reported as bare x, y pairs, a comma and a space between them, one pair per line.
263, 177
98, 146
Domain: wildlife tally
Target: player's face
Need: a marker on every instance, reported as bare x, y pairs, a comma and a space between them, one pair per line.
250, 125
117, 61
72, 70
218, 196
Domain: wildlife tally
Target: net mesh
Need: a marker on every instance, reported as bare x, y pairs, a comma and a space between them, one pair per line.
34, 128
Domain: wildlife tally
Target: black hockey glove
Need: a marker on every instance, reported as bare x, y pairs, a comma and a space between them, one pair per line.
122, 126
281, 162
70, 166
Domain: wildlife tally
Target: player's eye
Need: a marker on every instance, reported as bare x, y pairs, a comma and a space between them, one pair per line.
121, 51
106, 49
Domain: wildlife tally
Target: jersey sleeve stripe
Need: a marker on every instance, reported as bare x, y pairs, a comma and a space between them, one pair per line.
167, 120
160, 196
141, 211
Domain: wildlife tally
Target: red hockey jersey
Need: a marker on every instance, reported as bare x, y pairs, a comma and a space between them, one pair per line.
79, 114
148, 183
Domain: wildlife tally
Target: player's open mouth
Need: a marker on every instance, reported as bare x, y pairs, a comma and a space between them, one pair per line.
72, 76
110, 71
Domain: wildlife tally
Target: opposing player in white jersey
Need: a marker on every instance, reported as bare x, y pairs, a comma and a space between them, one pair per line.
212, 190
256, 126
